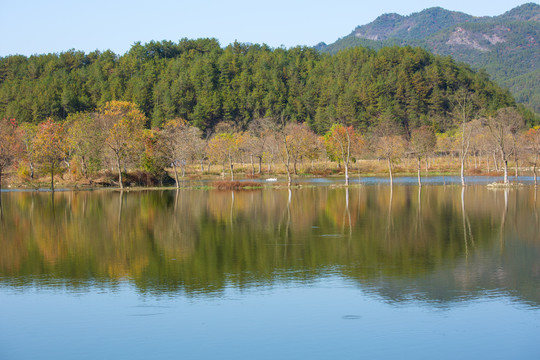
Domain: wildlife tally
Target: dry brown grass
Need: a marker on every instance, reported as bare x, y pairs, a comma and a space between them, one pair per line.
235, 185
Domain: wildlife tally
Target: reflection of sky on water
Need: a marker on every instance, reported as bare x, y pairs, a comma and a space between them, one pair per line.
317, 273
325, 319
398, 180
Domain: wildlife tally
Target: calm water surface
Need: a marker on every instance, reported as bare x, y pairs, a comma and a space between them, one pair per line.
317, 272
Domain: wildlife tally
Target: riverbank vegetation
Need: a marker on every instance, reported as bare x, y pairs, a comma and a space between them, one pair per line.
94, 150
164, 111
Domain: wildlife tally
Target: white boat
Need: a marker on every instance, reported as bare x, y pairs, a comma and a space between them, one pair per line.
271, 179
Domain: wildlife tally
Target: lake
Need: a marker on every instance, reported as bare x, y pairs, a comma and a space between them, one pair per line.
318, 272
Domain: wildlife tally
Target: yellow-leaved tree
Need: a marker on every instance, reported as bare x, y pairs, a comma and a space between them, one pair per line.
50, 146
122, 123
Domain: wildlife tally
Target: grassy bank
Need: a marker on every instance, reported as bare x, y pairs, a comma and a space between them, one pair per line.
214, 176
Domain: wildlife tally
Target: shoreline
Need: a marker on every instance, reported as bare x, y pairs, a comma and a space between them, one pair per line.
211, 183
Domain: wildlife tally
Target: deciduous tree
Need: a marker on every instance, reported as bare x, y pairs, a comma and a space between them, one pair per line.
10, 144
50, 146
223, 148
422, 144
339, 142
531, 141
180, 142
122, 122
388, 143
85, 140
501, 127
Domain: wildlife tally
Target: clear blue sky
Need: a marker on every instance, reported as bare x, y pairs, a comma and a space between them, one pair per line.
36, 27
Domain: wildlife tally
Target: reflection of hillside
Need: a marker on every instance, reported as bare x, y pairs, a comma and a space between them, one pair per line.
202, 240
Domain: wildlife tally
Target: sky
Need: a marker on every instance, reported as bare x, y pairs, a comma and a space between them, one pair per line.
36, 27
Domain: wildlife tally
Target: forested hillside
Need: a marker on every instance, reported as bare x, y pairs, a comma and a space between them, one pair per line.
506, 46
204, 83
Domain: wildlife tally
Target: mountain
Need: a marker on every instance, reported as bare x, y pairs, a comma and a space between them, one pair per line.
506, 46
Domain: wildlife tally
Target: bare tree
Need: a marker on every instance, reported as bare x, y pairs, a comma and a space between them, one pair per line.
260, 130
531, 141
464, 109
179, 144
388, 143
283, 134
506, 122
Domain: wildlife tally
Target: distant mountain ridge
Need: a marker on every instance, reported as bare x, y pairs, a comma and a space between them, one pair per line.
506, 46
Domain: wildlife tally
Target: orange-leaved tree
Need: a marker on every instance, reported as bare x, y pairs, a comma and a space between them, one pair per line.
10, 144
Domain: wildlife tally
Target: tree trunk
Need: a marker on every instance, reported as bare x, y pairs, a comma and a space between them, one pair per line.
231, 168
534, 173
252, 165
52, 176
176, 175
84, 167
202, 165
505, 163
119, 172
390, 170
462, 173
346, 173
289, 179
294, 167
260, 164
419, 179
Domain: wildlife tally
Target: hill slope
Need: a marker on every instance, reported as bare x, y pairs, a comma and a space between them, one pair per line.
205, 84
507, 46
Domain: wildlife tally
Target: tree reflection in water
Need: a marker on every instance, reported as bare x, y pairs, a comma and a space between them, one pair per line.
447, 241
